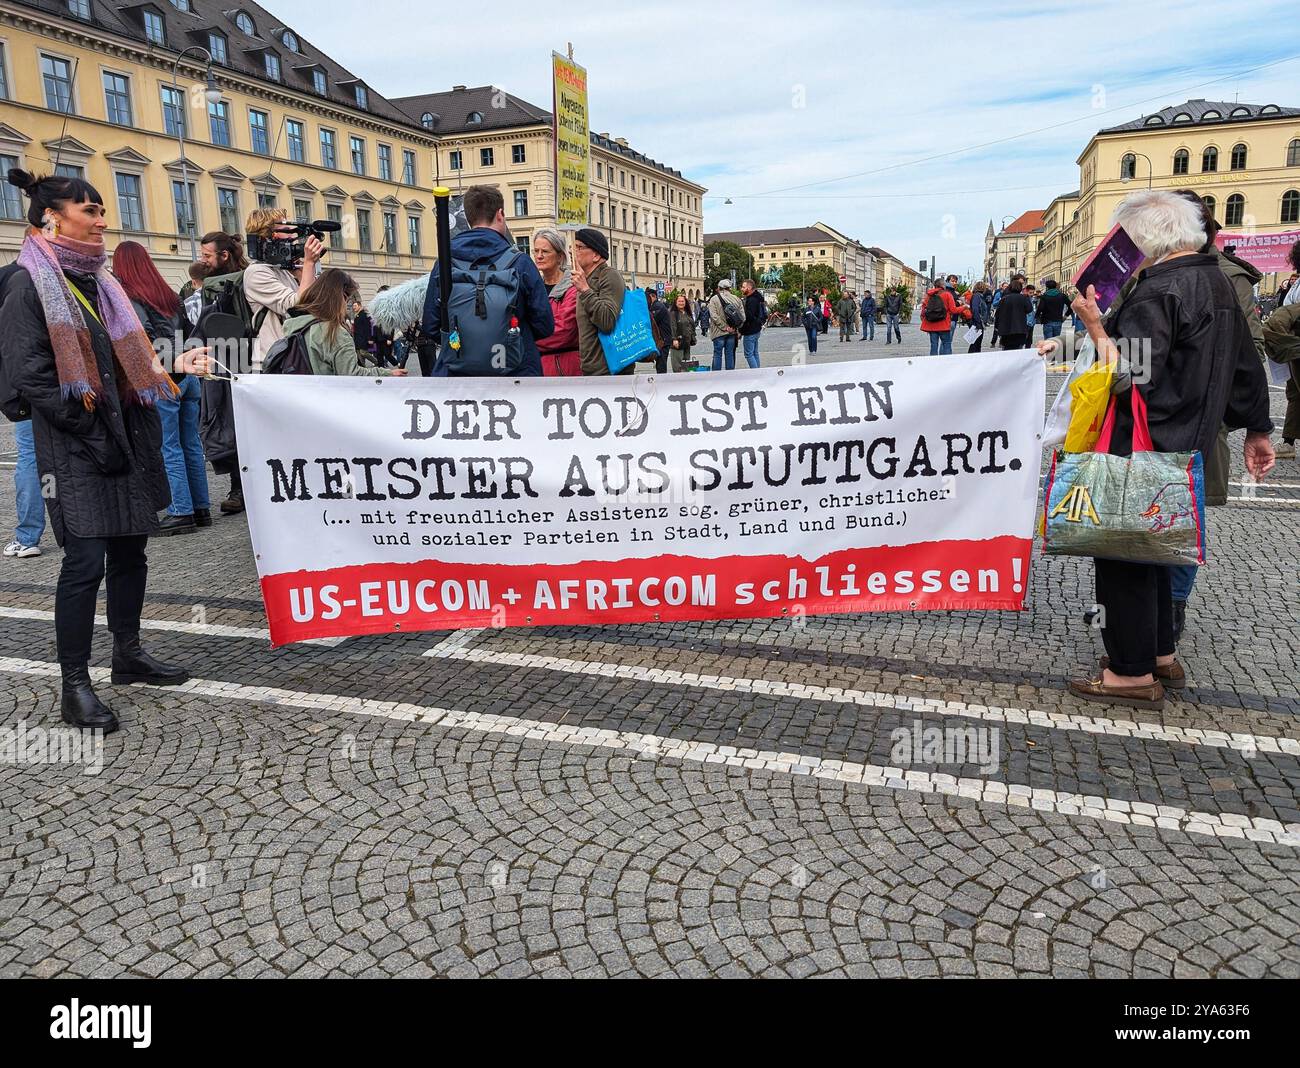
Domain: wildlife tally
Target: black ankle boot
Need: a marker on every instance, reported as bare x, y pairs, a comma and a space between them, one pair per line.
132, 664
81, 708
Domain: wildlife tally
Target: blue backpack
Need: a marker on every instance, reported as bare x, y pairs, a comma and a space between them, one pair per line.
483, 317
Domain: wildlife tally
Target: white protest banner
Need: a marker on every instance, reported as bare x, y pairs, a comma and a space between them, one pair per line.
399, 504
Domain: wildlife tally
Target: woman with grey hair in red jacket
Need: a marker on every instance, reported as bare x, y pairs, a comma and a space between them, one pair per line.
559, 352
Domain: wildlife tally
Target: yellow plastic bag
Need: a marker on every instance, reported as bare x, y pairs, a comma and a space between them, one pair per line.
1090, 394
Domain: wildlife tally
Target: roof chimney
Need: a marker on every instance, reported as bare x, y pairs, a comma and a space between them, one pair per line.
621, 141
604, 134
458, 88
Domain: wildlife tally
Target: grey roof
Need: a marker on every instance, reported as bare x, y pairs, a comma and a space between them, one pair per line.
498, 110
244, 53
451, 110
1201, 112
790, 235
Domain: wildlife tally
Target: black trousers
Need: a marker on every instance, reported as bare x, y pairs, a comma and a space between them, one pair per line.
978, 343
1014, 341
86, 562
1139, 614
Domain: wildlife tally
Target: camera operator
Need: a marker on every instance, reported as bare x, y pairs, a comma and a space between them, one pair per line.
277, 289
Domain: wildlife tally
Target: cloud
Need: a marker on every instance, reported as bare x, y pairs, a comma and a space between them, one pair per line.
749, 99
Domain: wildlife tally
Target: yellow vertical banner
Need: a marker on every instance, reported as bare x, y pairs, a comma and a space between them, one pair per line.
572, 142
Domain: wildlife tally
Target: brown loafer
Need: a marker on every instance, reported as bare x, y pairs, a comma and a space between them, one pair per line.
1172, 675
1149, 695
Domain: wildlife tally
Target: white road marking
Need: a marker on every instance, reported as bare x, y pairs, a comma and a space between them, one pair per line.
658, 747
1267, 484
1032, 717
457, 638
1267, 500
216, 630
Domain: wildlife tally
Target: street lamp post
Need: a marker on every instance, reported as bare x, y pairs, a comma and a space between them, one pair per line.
212, 95
1126, 177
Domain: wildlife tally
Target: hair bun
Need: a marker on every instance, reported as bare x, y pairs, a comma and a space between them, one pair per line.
23, 180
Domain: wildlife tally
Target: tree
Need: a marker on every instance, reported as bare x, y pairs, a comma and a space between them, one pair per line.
731, 256
792, 277
822, 276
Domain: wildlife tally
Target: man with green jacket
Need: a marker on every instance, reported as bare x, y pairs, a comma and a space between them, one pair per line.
844, 309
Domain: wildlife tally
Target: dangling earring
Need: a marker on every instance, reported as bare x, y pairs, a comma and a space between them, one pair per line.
51, 230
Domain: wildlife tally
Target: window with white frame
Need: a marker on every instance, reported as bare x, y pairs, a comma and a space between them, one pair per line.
219, 123
56, 75
11, 200
228, 210
130, 202
117, 98
173, 105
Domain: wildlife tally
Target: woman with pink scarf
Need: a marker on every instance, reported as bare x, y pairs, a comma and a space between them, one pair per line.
73, 349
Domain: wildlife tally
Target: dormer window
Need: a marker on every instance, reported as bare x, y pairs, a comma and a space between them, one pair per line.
79, 9
181, 5
1212, 114
245, 23
1182, 116
426, 120
475, 118
272, 64
319, 83
363, 98
1239, 113
1154, 120
153, 27
290, 41
1269, 109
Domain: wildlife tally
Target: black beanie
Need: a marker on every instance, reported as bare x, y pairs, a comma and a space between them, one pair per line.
594, 240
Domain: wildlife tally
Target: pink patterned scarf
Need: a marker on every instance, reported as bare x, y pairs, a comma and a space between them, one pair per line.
139, 374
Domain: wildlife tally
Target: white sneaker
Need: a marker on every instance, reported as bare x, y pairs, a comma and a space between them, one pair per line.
17, 548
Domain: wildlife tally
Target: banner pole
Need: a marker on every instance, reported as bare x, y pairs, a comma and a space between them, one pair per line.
442, 214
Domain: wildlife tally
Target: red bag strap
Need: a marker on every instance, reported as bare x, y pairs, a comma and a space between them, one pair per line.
1141, 431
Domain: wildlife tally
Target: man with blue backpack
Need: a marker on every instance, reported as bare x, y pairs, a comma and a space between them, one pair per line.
498, 305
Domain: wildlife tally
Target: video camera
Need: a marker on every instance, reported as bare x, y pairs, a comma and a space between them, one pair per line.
287, 252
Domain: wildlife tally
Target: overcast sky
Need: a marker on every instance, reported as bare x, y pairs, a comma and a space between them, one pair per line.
782, 99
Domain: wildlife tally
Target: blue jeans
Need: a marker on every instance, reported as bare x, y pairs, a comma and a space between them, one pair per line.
181, 449
751, 349
27, 484
940, 343
891, 323
1182, 577
811, 331
1051, 330
868, 328
724, 346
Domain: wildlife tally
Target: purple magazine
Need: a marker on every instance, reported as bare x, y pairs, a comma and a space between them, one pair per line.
1112, 263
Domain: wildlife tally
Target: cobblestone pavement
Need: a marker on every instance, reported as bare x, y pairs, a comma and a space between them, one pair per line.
686, 799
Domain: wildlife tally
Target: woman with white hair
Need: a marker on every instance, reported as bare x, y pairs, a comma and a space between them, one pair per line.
559, 352
1199, 370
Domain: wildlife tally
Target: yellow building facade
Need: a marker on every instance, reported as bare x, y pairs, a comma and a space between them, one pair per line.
89, 91
805, 246
651, 214
1244, 159
95, 97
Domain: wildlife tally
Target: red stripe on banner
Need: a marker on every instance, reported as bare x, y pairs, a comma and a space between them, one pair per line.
385, 598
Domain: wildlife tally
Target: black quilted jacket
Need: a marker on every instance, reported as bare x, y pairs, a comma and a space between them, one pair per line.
101, 471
